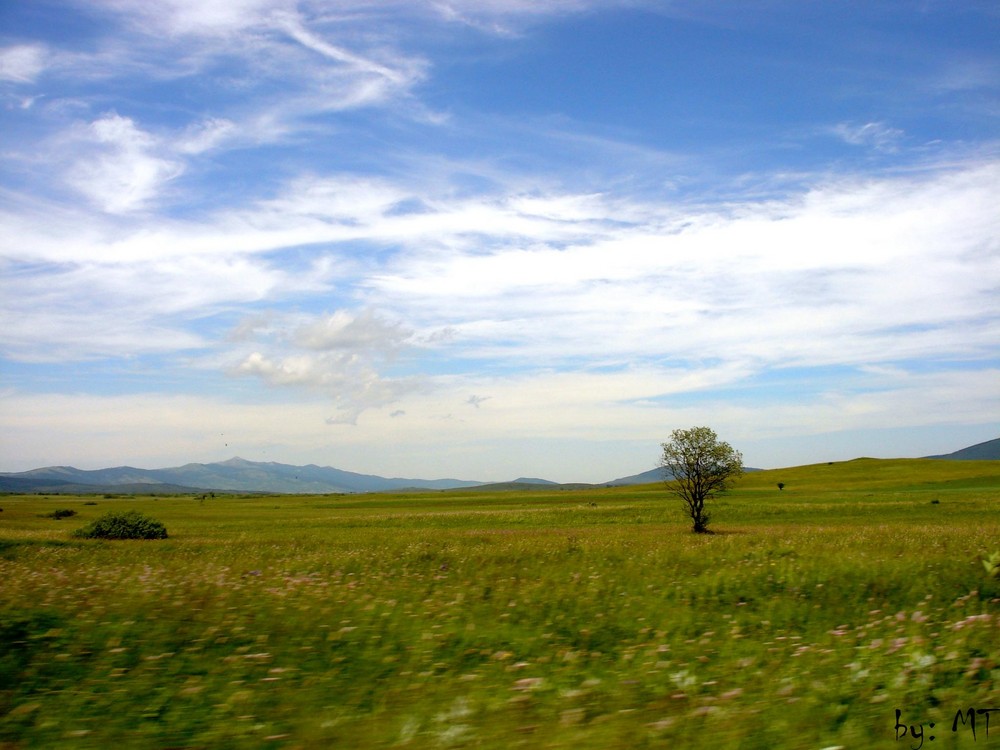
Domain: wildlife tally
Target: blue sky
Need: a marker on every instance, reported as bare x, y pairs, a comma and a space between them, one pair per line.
497, 238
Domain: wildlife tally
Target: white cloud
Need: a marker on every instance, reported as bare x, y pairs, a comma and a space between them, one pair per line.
205, 136
197, 17
874, 135
338, 354
121, 169
848, 272
22, 63
351, 382
293, 25
343, 331
506, 17
834, 276
302, 59
112, 306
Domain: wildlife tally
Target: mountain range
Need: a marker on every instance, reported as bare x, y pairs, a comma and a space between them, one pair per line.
239, 475
234, 475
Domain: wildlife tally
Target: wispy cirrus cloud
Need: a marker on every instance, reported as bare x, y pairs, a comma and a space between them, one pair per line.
116, 308
205, 135
773, 282
242, 51
257, 43
874, 135
884, 264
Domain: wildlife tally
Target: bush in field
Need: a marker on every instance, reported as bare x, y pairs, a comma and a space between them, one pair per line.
992, 565
129, 524
60, 513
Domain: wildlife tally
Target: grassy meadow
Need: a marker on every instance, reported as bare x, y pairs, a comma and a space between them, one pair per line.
542, 619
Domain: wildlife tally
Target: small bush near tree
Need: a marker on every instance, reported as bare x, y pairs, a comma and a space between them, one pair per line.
129, 524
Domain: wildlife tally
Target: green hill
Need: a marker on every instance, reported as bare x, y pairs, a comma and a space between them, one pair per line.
882, 474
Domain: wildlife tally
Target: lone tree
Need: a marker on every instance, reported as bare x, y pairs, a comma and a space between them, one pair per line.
696, 468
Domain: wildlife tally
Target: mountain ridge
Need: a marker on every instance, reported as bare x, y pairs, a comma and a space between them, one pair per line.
233, 475
985, 451
240, 475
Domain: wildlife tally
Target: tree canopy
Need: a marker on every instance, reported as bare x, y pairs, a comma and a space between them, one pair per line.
697, 467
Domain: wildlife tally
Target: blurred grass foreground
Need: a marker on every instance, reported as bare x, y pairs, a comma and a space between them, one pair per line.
542, 619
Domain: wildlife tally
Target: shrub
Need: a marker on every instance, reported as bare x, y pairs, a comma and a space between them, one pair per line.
130, 524
992, 565
60, 513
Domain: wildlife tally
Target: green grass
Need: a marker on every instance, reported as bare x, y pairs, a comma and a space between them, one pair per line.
550, 618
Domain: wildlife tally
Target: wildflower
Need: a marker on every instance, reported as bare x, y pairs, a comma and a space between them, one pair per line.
897, 644
969, 620
528, 683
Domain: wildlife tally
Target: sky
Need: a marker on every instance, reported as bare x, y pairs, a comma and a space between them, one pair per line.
488, 239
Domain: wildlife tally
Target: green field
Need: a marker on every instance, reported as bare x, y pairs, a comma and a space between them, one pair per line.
550, 618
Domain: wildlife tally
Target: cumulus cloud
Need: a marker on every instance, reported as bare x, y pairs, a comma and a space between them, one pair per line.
340, 355
343, 331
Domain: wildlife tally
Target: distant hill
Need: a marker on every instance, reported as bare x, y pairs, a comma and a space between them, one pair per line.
653, 475
521, 485
988, 451
239, 475
646, 477
235, 474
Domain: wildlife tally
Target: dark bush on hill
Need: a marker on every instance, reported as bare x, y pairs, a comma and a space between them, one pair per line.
130, 524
